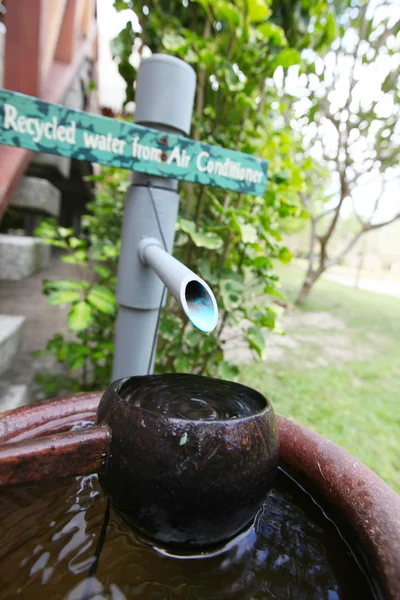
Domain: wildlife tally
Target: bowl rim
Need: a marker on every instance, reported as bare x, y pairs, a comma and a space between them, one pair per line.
115, 387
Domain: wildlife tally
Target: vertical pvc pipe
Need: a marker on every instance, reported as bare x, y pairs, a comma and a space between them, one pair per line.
165, 89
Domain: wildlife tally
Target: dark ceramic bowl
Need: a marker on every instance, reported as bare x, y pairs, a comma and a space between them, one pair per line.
181, 481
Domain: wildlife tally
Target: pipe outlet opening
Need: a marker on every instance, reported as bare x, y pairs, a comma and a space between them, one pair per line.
202, 308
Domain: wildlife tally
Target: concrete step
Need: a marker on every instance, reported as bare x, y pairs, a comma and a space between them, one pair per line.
20, 256
43, 163
38, 196
11, 328
13, 396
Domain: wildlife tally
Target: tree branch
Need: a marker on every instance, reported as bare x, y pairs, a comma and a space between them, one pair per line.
201, 83
347, 249
371, 227
385, 34
331, 228
325, 213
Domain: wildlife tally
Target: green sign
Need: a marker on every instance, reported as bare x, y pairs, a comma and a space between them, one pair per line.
36, 125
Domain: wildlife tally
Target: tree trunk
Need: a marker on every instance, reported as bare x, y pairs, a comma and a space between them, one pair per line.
307, 286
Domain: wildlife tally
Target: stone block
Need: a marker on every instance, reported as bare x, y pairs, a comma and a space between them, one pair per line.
21, 256
37, 195
13, 396
61, 164
11, 328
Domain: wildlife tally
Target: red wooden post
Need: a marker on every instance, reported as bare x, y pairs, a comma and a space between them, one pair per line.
66, 40
24, 42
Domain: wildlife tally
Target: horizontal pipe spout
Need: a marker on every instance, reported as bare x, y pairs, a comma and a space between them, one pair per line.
189, 290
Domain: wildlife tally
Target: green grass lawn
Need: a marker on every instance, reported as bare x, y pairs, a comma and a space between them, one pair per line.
342, 380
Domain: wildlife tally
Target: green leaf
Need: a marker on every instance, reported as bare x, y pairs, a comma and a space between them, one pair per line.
182, 364
111, 252
227, 371
248, 233
194, 338
79, 257
204, 270
267, 318
169, 327
234, 81
231, 293
207, 58
330, 28
80, 316
47, 229
56, 243
63, 297
226, 11
273, 33
62, 284
262, 262
258, 10
103, 299
102, 271
186, 226
174, 42
65, 232
271, 291
201, 239
76, 242
183, 439
281, 176
256, 340
287, 58
76, 355
209, 240
285, 256
191, 57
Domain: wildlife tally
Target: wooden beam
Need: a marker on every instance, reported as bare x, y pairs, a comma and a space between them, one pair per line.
88, 15
61, 74
55, 15
24, 21
66, 41
13, 163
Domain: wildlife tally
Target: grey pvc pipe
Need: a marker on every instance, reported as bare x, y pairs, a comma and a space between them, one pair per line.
189, 290
165, 89
134, 353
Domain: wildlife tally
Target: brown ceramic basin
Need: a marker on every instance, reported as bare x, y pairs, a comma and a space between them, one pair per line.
370, 507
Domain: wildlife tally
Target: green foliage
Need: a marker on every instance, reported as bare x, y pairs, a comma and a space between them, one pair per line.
235, 47
348, 109
229, 240
88, 350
